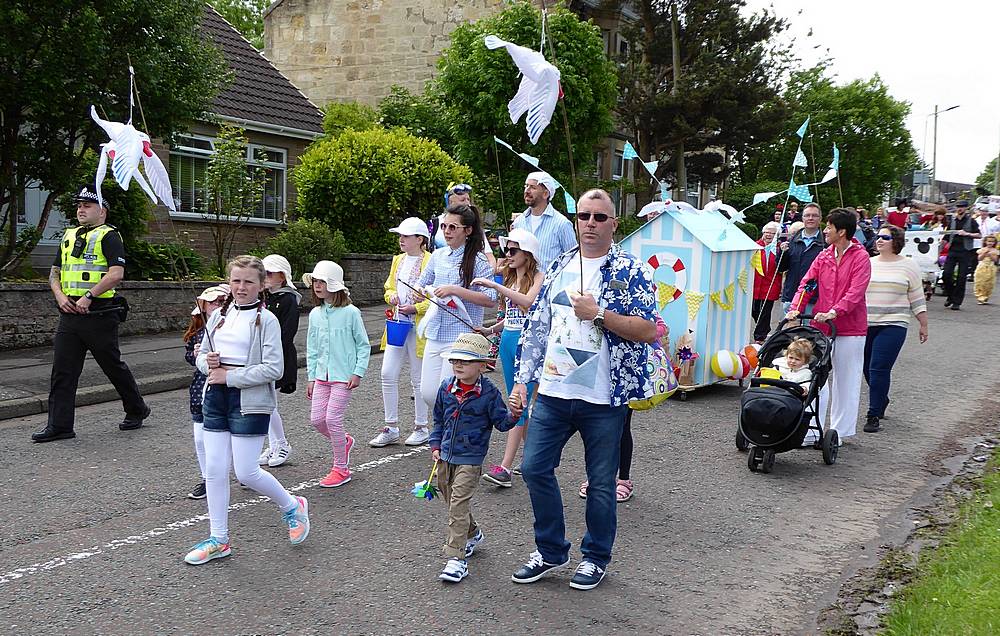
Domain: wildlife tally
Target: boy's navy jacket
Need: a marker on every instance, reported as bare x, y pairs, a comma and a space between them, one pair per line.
462, 429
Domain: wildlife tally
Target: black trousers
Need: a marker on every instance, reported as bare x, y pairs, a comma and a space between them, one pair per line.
954, 287
760, 312
77, 334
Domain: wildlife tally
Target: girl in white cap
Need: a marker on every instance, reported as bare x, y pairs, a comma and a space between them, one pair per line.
282, 300
337, 353
404, 274
521, 284
206, 303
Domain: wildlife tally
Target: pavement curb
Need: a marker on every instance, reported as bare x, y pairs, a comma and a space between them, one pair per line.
100, 393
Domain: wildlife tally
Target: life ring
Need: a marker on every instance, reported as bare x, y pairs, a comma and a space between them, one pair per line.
666, 259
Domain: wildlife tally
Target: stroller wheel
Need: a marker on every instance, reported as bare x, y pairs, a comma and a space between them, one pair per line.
753, 459
742, 443
768, 462
830, 443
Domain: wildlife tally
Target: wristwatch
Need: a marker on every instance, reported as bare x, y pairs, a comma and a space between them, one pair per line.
599, 318
88, 295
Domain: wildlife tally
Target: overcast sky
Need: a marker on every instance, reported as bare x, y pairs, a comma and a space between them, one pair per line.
928, 53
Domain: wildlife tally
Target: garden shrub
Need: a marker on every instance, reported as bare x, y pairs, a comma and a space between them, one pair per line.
365, 182
304, 242
341, 116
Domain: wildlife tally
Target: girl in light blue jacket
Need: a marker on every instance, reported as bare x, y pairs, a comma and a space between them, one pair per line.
337, 354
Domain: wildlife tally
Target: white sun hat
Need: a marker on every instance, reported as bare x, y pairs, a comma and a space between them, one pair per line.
216, 292
412, 226
278, 263
525, 239
328, 272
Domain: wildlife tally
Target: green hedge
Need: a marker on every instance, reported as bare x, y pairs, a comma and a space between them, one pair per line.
160, 261
365, 182
305, 242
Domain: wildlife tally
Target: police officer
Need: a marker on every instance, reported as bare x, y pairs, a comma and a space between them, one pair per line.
90, 263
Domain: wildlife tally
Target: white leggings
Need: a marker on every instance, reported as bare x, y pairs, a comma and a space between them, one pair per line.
221, 448
199, 446
392, 367
434, 370
276, 428
842, 392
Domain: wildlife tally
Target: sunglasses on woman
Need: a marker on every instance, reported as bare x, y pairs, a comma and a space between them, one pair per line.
451, 227
884, 237
512, 251
600, 217
461, 188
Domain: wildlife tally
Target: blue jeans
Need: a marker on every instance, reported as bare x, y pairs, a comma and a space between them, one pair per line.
221, 411
881, 349
553, 422
508, 349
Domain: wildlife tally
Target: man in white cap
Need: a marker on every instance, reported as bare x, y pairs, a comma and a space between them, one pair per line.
554, 231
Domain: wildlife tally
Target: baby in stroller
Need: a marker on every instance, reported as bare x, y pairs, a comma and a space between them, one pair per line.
794, 365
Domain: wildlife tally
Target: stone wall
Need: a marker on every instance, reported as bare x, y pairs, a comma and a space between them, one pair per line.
344, 50
28, 314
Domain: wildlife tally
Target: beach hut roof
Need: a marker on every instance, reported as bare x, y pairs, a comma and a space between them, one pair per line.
713, 230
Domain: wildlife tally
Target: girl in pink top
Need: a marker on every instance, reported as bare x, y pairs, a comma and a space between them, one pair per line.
842, 272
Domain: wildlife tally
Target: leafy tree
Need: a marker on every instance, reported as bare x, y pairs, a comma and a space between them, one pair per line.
474, 84
868, 126
423, 115
339, 116
59, 58
247, 16
366, 181
714, 96
985, 179
234, 191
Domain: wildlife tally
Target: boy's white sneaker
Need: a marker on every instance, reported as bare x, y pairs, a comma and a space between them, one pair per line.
454, 571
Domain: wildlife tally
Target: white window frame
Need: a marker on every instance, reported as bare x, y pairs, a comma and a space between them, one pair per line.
200, 153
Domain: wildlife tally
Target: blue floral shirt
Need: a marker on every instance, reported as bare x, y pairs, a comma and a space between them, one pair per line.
626, 289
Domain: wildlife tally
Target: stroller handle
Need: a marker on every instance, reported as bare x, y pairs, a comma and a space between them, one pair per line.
792, 387
801, 318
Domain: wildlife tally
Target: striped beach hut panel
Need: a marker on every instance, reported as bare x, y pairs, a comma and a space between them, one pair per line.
700, 252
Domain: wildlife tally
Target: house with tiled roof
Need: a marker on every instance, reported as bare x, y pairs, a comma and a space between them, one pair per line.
279, 122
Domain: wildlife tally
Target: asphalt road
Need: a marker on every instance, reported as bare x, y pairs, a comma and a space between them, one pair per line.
94, 529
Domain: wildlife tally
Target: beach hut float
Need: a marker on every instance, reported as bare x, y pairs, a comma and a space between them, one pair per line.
702, 268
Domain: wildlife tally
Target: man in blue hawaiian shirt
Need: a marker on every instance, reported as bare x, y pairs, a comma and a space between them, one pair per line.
585, 342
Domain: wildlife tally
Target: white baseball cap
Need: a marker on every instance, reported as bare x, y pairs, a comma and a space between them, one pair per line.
527, 241
328, 272
277, 263
412, 226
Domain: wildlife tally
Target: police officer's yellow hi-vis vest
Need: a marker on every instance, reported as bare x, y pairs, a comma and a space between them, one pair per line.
79, 274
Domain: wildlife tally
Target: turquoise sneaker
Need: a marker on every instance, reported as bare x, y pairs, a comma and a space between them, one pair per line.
298, 521
210, 548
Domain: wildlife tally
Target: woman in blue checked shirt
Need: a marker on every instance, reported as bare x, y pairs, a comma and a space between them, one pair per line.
451, 271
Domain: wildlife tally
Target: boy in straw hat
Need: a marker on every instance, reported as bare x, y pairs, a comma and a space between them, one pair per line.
467, 409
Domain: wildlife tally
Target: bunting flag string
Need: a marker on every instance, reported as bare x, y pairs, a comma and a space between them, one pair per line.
800, 159
629, 152
694, 300
570, 202
742, 278
801, 132
730, 297
523, 155
800, 192
664, 294
757, 262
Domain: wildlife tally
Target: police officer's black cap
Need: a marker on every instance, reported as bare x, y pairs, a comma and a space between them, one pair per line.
86, 193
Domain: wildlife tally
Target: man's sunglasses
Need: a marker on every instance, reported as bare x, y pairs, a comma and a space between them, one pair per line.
461, 188
451, 227
600, 217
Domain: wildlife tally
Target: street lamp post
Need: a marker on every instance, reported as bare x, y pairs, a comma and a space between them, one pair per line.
934, 156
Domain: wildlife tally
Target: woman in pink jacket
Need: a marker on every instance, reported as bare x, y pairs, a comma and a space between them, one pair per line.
842, 271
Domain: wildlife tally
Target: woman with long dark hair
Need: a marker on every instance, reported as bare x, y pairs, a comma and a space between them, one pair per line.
456, 307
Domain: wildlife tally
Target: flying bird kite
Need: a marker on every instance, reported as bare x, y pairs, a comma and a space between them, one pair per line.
126, 148
539, 90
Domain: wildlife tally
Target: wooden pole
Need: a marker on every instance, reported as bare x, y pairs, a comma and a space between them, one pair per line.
812, 155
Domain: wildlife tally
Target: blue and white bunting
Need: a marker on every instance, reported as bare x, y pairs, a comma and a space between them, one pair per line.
629, 152
801, 132
800, 192
570, 203
523, 155
800, 159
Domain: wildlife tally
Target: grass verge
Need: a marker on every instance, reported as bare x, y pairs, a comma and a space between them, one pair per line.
956, 586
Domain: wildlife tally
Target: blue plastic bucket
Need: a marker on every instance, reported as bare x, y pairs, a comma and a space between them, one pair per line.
396, 332
498, 278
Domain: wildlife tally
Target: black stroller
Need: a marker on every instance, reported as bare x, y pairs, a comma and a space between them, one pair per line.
774, 415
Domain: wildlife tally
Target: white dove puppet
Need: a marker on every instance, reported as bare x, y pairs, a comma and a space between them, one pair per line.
126, 148
539, 90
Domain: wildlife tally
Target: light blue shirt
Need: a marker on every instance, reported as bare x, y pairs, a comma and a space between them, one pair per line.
445, 268
555, 235
336, 344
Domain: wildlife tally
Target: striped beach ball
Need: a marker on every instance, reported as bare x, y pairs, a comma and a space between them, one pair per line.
726, 364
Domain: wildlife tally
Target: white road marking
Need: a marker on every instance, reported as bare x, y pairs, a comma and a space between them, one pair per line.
115, 544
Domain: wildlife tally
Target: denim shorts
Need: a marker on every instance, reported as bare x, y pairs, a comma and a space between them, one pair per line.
221, 411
